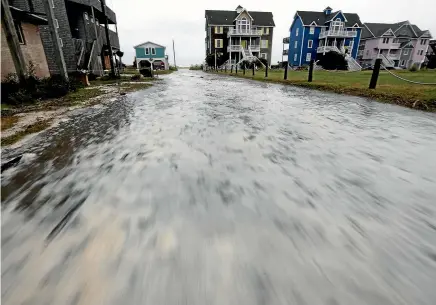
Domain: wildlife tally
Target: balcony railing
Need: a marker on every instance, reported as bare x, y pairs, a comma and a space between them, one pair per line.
327, 49
394, 56
285, 52
395, 45
238, 48
341, 33
239, 32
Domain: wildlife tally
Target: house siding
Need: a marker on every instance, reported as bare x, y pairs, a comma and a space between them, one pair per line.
140, 52
297, 24
33, 51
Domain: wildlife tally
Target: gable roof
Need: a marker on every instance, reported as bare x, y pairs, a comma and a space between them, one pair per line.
400, 29
228, 17
321, 18
150, 42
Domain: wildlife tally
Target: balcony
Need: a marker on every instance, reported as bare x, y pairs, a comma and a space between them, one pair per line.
115, 43
394, 56
239, 32
254, 48
97, 5
340, 33
236, 48
327, 49
285, 52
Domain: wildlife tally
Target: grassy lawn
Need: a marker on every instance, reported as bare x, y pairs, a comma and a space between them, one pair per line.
389, 88
8, 122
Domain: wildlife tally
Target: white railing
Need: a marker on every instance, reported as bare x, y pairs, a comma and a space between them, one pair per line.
327, 49
353, 65
234, 48
386, 61
395, 45
255, 48
394, 56
340, 33
240, 32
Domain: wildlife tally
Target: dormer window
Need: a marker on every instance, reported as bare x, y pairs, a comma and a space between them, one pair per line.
243, 25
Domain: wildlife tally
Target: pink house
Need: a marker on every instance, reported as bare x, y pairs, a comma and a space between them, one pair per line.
399, 45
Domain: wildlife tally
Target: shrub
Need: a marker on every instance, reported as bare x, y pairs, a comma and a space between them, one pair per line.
135, 77
146, 72
172, 68
333, 61
413, 68
196, 67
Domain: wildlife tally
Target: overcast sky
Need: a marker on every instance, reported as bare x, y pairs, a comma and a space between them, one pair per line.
183, 21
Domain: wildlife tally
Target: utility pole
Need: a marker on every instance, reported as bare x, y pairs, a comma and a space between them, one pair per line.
13, 43
215, 59
174, 54
103, 9
59, 55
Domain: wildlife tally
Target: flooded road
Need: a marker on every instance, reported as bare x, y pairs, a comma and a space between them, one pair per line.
206, 189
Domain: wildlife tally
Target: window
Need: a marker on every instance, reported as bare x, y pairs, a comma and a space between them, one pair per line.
296, 32
218, 43
403, 63
386, 40
338, 19
19, 31
420, 52
396, 40
243, 25
86, 16
308, 56
219, 30
264, 55
367, 52
295, 57
295, 44
406, 52
266, 31
423, 41
61, 42
56, 23
310, 44
147, 51
264, 44
92, 19
96, 22
312, 30
153, 51
351, 45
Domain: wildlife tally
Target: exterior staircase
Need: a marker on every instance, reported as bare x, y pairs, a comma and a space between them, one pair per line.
353, 65
387, 62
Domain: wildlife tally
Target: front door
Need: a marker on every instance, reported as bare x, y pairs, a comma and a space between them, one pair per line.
244, 44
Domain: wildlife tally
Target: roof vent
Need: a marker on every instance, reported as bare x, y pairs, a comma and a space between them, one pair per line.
328, 10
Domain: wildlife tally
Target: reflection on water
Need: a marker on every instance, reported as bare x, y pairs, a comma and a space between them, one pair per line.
212, 190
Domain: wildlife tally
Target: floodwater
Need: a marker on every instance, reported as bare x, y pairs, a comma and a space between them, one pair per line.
206, 189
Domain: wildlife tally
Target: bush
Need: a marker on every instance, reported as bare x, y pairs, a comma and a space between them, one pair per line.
172, 68
146, 72
196, 67
413, 68
333, 61
15, 93
135, 77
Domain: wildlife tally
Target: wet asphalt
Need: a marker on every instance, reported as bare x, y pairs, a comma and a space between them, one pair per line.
206, 189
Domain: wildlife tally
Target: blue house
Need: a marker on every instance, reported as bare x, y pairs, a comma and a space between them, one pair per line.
150, 54
316, 33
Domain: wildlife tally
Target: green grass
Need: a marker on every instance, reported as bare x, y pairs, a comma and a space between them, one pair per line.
37, 127
130, 87
389, 89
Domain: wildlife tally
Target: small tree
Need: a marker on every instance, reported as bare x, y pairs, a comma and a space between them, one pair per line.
220, 59
134, 62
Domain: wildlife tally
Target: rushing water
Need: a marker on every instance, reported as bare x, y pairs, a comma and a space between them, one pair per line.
207, 189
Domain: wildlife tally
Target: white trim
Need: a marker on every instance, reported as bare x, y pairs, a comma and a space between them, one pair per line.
313, 23
221, 43
337, 14
406, 23
386, 33
301, 46
244, 10
52, 4
369, 31
354, 26
56, 23
153, 50
139, 45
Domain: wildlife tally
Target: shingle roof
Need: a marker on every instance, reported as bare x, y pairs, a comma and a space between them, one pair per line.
401, 29
227, 17
321, 18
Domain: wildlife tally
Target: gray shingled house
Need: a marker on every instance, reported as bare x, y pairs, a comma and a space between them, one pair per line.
81, 33
239, 34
